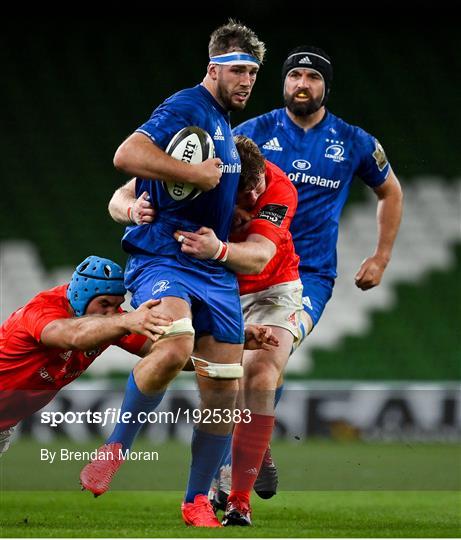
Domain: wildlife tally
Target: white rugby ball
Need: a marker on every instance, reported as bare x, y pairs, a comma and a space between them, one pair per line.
192, 145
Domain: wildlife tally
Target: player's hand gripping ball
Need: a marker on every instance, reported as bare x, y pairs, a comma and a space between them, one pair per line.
192, 145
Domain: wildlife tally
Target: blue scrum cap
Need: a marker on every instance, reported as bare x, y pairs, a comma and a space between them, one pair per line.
95, 276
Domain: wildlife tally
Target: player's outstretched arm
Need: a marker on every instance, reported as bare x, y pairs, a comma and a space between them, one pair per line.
389, 215
84, 333
249, 257
139, 156
126, 209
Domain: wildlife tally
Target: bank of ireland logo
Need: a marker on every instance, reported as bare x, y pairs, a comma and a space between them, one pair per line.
160, 286
301, 164
335, 150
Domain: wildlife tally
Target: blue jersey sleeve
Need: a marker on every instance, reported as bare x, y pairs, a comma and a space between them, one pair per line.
373, 166
169, 118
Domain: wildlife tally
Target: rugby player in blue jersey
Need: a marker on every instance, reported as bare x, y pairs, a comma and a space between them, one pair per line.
321, 154
200, 295
262, 253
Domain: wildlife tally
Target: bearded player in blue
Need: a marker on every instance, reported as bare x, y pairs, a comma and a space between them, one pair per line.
201, 296
321, 154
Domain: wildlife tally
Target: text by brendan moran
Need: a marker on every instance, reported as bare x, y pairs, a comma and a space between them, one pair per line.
64, 454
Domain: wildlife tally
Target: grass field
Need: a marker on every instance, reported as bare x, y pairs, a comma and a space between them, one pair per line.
316, 465
289, 514
327, 490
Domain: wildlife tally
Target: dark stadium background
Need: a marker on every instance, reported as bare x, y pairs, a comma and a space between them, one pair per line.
73, 88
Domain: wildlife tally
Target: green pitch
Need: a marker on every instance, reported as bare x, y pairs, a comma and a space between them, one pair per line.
289, 514
328, 489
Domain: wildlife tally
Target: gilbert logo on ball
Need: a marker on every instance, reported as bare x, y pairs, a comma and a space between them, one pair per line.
192, 145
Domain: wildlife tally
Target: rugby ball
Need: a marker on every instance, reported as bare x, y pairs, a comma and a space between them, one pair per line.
192, 145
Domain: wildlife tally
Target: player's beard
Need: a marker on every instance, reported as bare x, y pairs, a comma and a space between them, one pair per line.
225, 97
302, 109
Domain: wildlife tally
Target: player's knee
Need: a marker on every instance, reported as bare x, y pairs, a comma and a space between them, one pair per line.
169, 357
179, 353
261, 373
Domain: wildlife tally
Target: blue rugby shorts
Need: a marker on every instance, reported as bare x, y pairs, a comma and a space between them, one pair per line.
317, 290
211, 291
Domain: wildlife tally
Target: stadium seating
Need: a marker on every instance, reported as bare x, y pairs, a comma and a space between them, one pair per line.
405, 328
429, 232
66, 107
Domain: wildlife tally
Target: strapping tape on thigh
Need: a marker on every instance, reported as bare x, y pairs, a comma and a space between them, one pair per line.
179, 327
304, 329
217, 371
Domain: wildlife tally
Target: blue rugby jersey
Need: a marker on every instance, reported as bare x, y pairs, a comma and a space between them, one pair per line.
190, 107
321, 163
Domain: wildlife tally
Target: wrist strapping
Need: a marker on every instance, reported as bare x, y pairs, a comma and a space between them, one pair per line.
222, 252
129, 212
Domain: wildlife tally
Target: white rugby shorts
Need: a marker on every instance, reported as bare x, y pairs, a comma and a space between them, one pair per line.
279, 305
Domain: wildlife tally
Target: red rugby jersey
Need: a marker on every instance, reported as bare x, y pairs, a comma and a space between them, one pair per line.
272, 217
30, 373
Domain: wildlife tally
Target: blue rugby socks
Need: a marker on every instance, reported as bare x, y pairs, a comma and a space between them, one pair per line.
134, 402
278, 394
207, 451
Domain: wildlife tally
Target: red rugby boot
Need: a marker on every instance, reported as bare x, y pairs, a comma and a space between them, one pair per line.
199, 513
97, 475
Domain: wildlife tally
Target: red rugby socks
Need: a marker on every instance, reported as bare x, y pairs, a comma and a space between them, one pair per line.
249, 443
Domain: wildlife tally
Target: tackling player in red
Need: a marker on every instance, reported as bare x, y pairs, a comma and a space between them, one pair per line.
54, 338
50, 341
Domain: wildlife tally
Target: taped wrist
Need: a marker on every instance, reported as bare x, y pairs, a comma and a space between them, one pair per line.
222, 252
129, 212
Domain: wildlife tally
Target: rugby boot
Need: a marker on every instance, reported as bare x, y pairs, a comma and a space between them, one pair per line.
221, 488
238, 512
97, 475
199, 513
267, 481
